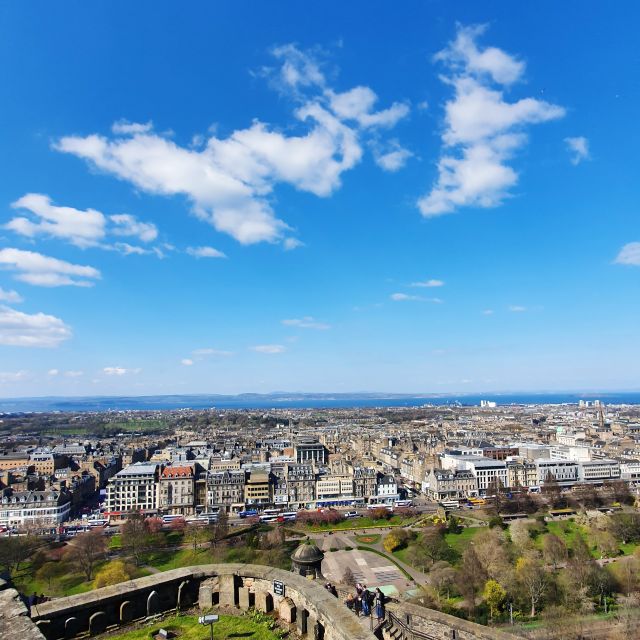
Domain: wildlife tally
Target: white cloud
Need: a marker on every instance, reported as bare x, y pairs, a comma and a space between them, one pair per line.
53, 372
86, 228
119, 371
405, 297
82, 228
488, 312
13, 376
187, 362
74, 374
125, 127
393, 158
10, 296
516, 308
269, 348
629, 254
211, 352
292, 243
357, 104
483, 131
306, 323
44, 271
128, 225
205, 252
428, 283
20, 329
229, 181
578, 148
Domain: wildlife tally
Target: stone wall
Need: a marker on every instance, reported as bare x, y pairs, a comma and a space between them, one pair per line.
14, 616
405, 619
314, 611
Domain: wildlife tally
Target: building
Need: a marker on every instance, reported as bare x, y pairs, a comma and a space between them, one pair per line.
135, 488
334, 490
490, 474
449, 484
257, 489
176, 493
310, 450
365, 482
387, 490
564, 472
598, 471
34, 509
226, 489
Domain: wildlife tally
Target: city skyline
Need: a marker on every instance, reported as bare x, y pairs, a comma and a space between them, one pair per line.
253, 198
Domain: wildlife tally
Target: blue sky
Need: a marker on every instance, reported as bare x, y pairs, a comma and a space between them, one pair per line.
234, 197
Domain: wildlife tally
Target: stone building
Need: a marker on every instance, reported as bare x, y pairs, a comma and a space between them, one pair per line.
306, 560
226, 489
135, 488
176, 491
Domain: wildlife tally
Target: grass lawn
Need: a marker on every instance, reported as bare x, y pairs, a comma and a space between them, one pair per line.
372, 538
70, 583
460, 541
188, 628
360, 523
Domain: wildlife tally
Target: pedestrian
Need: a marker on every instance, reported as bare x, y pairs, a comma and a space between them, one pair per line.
366, 608
334, 591
357, 605
378, 604
349, 602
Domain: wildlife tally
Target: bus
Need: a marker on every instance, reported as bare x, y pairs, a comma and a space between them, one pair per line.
268, 518
450, 504
271, 512
403, 503
287, 516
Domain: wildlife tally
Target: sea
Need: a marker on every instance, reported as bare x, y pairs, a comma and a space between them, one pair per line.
299, 401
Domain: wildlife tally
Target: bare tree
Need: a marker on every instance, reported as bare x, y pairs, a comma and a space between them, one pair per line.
86, 551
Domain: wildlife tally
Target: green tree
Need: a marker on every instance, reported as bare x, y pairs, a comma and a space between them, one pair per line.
494, 595
195, 535
51, 572
471, 577
114, 572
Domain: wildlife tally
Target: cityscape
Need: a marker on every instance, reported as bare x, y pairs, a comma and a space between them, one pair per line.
319, 321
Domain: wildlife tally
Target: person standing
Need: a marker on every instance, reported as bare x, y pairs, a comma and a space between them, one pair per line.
378, 604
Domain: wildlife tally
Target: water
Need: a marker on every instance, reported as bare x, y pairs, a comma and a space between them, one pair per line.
298, 401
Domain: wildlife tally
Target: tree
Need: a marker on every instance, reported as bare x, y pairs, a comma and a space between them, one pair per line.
552, 491
471, 577
222, 525
520, 535
625, 527
195, 535
113, 573
51, 572
554, 550
434, 545
395, 540
533, 580
491, 550
442, 576
86, 551
14, 550
135, 536
494, 595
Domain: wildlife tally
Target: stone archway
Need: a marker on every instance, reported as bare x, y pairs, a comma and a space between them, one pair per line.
70, 627
126, 612
97, 623
153, 604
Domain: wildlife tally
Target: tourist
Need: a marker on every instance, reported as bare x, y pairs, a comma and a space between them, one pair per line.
378, 604
357, 605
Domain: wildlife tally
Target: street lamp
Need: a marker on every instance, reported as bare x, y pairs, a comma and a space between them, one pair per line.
210, 619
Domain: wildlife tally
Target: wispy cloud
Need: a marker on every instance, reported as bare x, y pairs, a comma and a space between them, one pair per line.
44, 271
488, 312
269, 349
8, 295
120, 371
428, 283
516, 308
306, 323
20, 329
205, 252
403, 297
187, 362
578, 148
629, 254
482, 129
82, 228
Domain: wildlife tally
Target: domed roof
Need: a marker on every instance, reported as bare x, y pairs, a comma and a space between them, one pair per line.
307, 553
